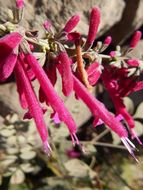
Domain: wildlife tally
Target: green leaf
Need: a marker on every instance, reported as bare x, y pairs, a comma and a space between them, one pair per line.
79, 169
7, 132
18, 177
28, 155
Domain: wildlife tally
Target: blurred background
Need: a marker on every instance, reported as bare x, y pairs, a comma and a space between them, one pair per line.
106, 165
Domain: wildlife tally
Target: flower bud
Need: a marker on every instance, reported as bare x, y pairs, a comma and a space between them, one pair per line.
19, 4
93, 26
71, 24
107, 40
135, 39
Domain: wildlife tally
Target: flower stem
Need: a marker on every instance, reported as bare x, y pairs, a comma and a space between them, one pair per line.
80, 67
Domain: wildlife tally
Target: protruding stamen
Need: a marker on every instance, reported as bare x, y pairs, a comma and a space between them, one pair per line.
46, 147
129, 145
74, 139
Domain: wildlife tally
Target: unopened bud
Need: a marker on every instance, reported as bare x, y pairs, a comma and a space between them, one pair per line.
19, 4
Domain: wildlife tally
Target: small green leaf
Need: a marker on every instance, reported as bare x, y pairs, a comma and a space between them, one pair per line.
7, 132
18, 177
28, 155
27, 167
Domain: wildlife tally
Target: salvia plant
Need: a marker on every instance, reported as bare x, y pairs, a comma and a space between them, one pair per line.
80, 65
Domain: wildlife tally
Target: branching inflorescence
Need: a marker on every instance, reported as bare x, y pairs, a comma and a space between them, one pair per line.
80, 67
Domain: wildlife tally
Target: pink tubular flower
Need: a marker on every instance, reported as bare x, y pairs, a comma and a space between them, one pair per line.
66, 73
53, 99
99, 111
107, 40
19, 4
8, 54
71, 24
33, 105
135, 39
93, 27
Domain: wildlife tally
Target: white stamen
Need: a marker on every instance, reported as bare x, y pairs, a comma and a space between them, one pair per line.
130, 143
47, 148
74, 139
125, 141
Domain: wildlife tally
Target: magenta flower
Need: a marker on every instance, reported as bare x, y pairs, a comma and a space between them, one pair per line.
34, 107
80, 68
98, 109
22, 64
119, 85
100, 112
10, 61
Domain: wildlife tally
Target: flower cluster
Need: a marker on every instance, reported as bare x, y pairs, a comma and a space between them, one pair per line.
80, 67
